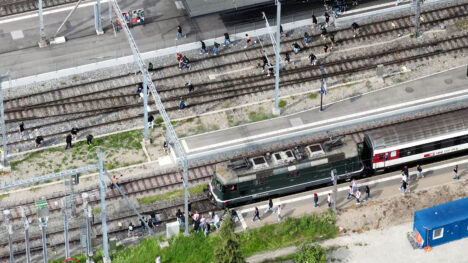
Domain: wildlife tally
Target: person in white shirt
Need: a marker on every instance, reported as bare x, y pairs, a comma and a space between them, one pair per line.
358, 195
329, 200
278, 212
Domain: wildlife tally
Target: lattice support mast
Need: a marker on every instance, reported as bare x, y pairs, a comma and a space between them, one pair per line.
172, 136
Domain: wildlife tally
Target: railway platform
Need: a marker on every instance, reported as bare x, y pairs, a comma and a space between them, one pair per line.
382, 234
400, 102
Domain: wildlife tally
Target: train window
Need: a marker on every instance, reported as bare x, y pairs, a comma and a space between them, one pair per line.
315, 148
259, 160
447, 143
393, 154
437, 233
381, 156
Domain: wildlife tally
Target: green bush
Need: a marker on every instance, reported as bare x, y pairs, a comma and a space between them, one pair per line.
282, 103
310, 254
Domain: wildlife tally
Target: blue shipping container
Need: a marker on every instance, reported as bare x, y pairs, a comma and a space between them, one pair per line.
441, 224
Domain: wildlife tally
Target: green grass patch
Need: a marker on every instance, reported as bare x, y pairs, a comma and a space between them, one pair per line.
158, 121
258, 116
462, 25
171, 195
282, 103
197, 248
96, 210
35, 189
313, 96
4, 196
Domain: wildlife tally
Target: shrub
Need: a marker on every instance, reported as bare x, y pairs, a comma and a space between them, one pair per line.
310, 254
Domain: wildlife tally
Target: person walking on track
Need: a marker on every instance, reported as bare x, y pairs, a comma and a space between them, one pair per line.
203, 49
227, 40
355, 27
21, 129
68, 139
248, 39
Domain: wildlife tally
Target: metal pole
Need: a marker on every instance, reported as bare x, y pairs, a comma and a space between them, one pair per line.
43, 221
26, 234
276, 110
68, 16
417, 17
6, 215
335, 190
110, 12
65, 227
41, 22
4, 136
87, 214
186, 232
145, 106
42, 40
105, 240
172, 136
321, 100
97, 18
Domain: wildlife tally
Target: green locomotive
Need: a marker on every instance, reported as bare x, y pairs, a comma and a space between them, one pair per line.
291, 170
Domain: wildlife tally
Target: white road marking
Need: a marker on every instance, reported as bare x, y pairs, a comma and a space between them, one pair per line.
18, 34
241, 219
47, 12
383, 110
179, 5
346, 188
184, 144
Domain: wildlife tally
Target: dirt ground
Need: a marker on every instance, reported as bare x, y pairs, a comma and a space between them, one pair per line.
385, 224
377, 214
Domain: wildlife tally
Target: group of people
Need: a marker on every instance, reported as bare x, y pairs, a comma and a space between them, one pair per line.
355, 191
152, 222
205, 223
68, 139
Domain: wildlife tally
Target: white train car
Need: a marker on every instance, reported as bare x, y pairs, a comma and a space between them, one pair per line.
417, 140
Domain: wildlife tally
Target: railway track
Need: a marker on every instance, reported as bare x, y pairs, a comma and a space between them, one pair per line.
114, 100
132, 188
13, 7
211, 92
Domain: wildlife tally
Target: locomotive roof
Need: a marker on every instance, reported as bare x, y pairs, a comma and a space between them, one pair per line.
226, 175
405, 134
